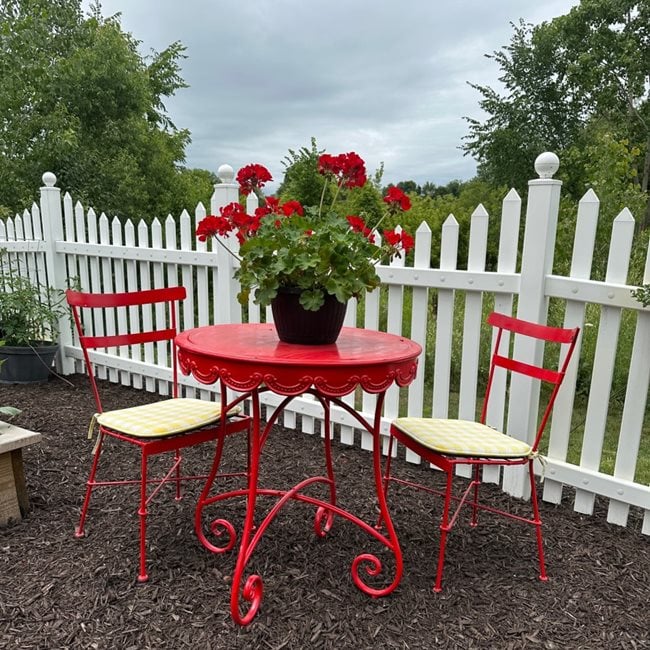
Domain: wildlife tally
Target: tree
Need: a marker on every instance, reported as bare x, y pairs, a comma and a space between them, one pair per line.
431, 189
409, 187
78, 99
560, 78
301, 181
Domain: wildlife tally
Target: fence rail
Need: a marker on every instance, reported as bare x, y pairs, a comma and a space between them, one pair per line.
440, 308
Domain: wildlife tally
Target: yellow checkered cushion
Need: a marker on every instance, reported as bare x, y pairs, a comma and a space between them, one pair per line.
462, 438
162, 418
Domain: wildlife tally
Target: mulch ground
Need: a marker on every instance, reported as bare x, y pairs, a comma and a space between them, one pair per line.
60, 592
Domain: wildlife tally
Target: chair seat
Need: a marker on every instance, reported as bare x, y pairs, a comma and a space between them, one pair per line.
462, 438
162, 418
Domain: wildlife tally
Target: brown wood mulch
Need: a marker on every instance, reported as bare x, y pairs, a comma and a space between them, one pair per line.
60, 592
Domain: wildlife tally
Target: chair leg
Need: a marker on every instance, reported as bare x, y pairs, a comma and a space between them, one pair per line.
477, 483
177, 460
537, 520
142, 512
444, 529
90, 484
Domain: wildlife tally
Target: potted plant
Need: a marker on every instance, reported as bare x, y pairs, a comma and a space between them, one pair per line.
307, 258
8, 411
29, 322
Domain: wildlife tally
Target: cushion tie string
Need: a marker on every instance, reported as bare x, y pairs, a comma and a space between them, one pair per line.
91, 430
535, 455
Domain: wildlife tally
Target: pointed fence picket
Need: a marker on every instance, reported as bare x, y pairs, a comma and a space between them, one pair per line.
574, 316
445, 306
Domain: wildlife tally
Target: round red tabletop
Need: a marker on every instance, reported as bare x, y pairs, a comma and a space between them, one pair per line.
246, 356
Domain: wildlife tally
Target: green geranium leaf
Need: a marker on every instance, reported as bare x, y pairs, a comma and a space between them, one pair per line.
312, 300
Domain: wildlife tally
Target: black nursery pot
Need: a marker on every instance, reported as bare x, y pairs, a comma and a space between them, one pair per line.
295, 324
26, 365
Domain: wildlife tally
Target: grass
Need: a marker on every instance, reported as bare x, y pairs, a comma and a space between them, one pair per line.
610, 441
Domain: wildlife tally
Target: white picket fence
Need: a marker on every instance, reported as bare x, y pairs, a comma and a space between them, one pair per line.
59, 240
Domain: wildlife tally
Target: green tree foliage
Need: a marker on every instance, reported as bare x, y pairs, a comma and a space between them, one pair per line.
433, 190
434, 211
195, 185
78, 99
566, 82
301, 181
429, 188
409, 187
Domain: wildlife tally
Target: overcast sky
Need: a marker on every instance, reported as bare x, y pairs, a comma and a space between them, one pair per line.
387, 79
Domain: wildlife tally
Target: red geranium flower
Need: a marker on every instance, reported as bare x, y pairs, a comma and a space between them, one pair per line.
292, 207
354, 170
237, 219
407, 241
399, 240
395, 198
392, 238
255, 224
262, 211
253, 177
356, 223
348, 169
274, 204
211, 226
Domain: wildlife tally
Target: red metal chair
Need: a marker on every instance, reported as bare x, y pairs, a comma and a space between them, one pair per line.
163, 426
448, 443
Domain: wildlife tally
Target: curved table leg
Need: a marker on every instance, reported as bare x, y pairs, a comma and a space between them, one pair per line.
253, 588
218, 527
324, 518
373, 565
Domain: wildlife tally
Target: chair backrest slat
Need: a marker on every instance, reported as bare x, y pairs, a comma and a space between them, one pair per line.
527, 328
125, 299
113, 340
565, 337
545, 374
108, 303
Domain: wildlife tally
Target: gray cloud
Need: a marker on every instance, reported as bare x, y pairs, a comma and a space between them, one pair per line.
386, 79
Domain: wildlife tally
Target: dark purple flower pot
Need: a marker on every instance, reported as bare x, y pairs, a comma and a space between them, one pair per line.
295, 324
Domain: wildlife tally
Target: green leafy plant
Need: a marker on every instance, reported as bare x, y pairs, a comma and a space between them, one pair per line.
8, 411
313, 250
642, 294
29, 310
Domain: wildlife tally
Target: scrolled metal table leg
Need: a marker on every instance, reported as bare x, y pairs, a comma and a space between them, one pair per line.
218, 527
324, 518
373, 564
253, 588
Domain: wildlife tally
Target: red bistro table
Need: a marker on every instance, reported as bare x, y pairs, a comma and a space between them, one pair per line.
250, 359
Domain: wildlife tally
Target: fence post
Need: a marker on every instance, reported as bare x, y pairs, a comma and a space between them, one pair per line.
228, 309
52, 219
536, 263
